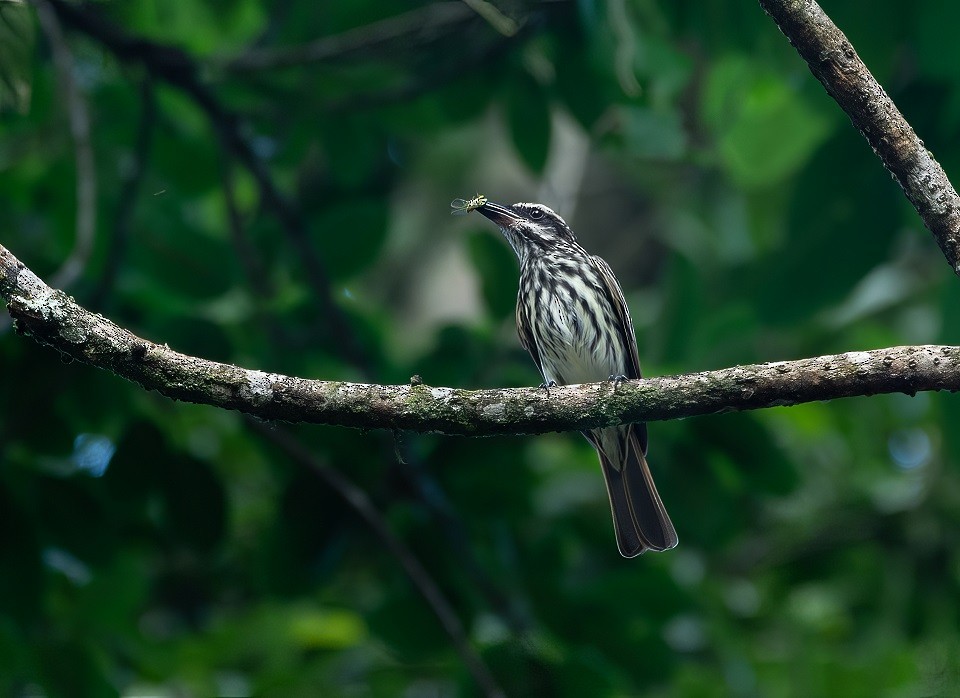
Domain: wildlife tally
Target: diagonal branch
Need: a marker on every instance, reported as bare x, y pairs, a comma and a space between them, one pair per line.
835, 63
54, 318
178, 69
131, 185
78, 116
419, 576
406, 29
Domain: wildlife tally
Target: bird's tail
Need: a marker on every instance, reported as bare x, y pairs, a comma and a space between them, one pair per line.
639, 517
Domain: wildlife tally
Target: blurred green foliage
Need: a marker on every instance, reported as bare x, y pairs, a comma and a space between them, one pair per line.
151, 547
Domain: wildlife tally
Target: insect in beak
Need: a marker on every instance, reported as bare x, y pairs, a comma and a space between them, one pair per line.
460, 207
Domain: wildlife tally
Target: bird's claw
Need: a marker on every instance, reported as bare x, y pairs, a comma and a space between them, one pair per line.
617, 380
546, 385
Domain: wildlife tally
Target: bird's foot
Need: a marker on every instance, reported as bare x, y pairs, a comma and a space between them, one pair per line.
617, 380
546, 386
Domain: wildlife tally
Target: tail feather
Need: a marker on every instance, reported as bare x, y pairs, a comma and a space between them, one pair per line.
639, 518
624, 524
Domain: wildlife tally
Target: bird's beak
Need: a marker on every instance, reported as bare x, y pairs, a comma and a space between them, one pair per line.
499, 214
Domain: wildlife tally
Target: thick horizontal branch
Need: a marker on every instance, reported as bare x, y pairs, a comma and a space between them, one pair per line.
53, 318
835, 63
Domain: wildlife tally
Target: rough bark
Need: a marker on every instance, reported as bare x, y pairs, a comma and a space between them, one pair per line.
53, 318
835, 63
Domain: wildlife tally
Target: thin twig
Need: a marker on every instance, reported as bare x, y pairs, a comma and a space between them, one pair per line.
437, 77
17, 34
835, 63
434, 499
54, 318
130, 186
258, 280
178, 69
494, 17
409, 28
78, 117
421, 579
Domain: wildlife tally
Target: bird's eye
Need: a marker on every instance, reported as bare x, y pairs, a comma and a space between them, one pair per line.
536, 214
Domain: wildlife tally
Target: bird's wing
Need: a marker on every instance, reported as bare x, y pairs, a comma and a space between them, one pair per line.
629, 337
619, 303
525, 330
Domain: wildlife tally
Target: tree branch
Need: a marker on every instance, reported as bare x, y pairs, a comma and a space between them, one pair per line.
178, 69
418, 574
78, 116
131, 184
835, 63
54, 318
406, 29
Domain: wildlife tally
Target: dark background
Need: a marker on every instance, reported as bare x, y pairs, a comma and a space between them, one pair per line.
152, 547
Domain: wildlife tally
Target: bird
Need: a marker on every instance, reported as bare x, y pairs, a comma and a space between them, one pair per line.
573, 320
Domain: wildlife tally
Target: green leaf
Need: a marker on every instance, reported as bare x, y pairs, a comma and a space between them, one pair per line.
301, 541
496, 266
354, 149
653, 133
832, 241
201, 27
760, 465
20, 593
326, 629
528, 118
349, 234
195, 505
764, 128
17, 34
73, 668
459, 355
938, 53
586, 93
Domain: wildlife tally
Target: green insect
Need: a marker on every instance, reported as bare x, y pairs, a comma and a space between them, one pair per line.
462, 206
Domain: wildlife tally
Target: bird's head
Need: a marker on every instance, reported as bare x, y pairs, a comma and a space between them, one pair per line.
529, 228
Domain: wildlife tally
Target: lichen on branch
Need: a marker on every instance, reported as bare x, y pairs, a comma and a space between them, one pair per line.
836, 64
54, 319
